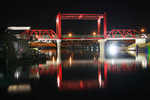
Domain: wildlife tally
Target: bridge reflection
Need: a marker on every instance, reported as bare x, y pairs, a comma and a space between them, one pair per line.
84, 74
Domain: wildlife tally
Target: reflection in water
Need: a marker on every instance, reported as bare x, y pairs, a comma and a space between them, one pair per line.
99, 78
80, 78
70, 60
75, 70
20, 88
53, 60
59, 76
144, 63
17, 72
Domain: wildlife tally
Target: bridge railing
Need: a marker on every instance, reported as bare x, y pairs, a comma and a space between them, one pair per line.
127, 36
82, 36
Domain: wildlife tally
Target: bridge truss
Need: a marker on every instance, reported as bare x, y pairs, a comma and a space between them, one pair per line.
51, 35
40, 34
123, 33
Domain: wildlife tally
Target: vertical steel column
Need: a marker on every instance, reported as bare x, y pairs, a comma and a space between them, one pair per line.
28, 35
40, 33
58, 25
105, 26
134, 34
98, 26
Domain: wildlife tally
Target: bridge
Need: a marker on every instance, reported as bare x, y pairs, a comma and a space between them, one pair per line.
52, 35
115, 34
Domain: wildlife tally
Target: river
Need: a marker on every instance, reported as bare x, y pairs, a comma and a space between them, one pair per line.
79, 74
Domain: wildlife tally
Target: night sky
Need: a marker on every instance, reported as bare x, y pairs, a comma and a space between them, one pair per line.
126, 14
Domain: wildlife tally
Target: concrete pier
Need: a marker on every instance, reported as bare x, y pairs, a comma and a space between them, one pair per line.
102, 49
58, 51
139, 43
102, 44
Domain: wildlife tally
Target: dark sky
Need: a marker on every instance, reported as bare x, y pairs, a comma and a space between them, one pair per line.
41, 14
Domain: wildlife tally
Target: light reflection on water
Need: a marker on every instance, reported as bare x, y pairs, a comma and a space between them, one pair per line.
87, 70
78, 70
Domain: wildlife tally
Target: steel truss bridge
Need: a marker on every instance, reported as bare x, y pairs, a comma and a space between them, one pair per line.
51, 35
41, 34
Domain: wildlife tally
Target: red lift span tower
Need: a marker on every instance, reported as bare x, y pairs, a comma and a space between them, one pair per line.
68, 16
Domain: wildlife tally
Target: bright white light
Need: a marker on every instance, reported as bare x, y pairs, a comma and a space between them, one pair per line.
112, 61
58, 81
144, 63
17, 72
132, 48
18, 28
144, 36
50, 53
57, 20
99, 79
113, 49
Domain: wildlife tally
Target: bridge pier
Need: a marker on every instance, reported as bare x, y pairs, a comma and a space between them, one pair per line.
102, 49
102, 44
141, 59
139, 42
58, 51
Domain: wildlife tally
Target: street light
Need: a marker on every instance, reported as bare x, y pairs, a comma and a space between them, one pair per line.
36, 37
70, 34
94, 33
142, 30
143, 33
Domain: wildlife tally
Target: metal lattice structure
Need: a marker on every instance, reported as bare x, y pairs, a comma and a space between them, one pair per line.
50, 34
124, 33
113, 34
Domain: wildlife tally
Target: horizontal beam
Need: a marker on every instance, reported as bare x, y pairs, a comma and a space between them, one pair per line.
123, 38
81, 16
96, 38
77, 14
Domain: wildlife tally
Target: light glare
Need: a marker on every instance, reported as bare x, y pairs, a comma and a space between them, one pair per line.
113, 49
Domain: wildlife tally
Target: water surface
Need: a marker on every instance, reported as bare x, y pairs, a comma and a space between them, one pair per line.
78, 74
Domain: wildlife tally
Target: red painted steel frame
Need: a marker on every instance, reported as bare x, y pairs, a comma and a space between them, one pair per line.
39, 33
123, 32
67, 16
